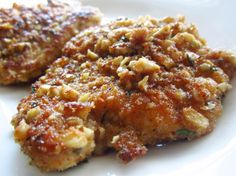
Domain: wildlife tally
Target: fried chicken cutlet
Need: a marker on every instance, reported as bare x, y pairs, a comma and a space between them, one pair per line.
125, 85
31, 38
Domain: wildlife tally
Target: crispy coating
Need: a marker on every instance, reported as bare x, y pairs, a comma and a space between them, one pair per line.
31, 38
125, 85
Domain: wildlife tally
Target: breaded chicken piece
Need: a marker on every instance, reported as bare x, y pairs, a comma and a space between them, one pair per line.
125, 85
31, 38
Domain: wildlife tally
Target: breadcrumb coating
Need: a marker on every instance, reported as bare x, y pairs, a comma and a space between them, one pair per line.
31, 38
125, 85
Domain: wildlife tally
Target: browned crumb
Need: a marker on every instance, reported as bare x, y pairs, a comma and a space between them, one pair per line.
31, 38
124, 85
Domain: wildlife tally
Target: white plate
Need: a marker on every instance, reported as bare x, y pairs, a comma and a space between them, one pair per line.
214, 154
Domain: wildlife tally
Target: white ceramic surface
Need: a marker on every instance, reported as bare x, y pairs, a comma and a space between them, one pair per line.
214, 154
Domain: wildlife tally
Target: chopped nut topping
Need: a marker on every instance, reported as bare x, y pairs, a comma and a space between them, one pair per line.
124, 61
54, 91
84, 76
33, 113
210, 105
195, 121
116, 61
224, 87
115, 139
205, 67
150, 83
33, 37
180, 94
76, 138
187, 40
69, 93
53, 116
6, 26
21, 130
43, 90
143, 84
84, 97
91, 55
143, 65
74, 121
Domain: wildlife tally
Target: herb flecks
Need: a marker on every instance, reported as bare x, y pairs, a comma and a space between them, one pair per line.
191, 57
214, 68
185, 133
33, 89
34, 104
124, 39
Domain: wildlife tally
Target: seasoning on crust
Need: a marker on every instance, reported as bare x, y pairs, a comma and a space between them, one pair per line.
125, 85
31, 38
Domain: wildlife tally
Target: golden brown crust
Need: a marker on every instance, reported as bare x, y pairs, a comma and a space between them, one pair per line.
129, 84
31, 38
